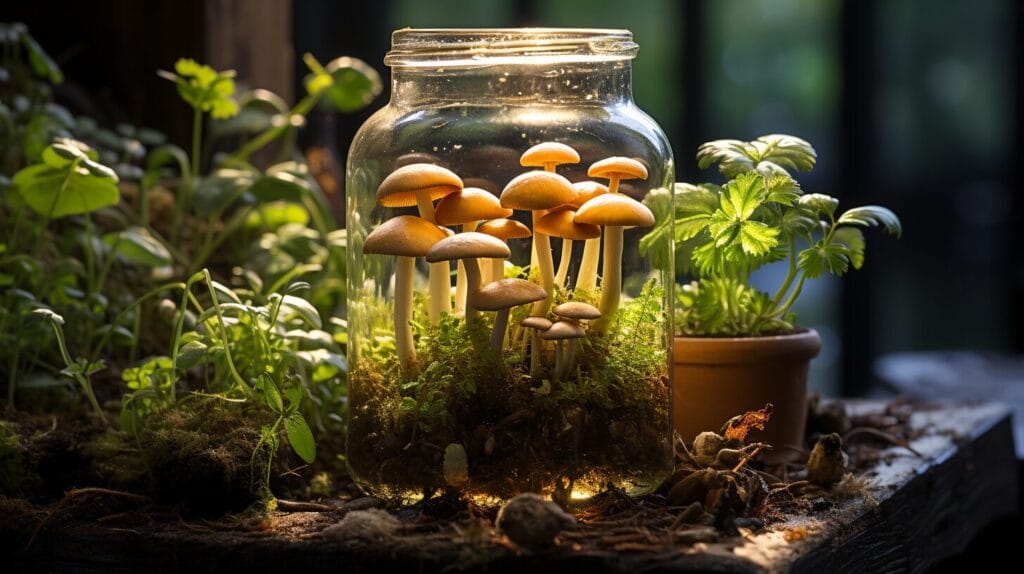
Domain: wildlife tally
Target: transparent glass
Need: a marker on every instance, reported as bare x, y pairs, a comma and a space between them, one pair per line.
446, 389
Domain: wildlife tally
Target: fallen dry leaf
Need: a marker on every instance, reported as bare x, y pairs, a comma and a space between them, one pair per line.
739, 427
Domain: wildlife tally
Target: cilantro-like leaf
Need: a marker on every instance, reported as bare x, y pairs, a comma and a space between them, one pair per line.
204, 88
68, 182
872, 216
819, 203
852, 239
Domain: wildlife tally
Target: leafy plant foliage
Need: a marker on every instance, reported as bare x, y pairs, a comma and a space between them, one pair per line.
761, 215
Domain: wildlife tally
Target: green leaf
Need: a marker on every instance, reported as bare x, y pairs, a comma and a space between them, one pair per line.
41, 62
76, 187
137, 245
271, 395
757, 238
162, 156
274, 214
191, 354
293, 397
821, 257
852, 239
204, 88
742, 196
278, 186
354, 84
871, 216
782, 189
774, 153
298, 307
820, 203
300, 437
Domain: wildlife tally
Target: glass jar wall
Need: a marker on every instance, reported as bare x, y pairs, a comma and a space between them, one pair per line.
505, 332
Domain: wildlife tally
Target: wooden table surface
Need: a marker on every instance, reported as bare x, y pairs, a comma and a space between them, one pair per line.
919, 510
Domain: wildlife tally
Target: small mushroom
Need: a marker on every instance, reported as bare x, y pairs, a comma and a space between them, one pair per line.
501, 296
536, 325
468, 246
406, 237
562, 331
587, 278
576, 312
503, 229
549, 155
537, 191
560, 222
616, 169
466, 208
614, 212
421, 184
827, 463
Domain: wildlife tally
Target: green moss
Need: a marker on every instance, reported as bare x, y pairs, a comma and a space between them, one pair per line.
12, 459
321, 485
116, 460
200, 453
605, 421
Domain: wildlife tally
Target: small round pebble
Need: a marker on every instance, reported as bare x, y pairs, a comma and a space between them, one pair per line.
532, 522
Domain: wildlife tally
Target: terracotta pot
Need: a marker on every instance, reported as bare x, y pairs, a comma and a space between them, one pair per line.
715, 379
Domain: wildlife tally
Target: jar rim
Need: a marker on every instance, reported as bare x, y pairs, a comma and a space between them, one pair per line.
473, 47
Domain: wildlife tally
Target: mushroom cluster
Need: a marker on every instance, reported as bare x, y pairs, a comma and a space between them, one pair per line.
573, 212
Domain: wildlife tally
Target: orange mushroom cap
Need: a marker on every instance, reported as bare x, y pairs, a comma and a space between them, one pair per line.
560, 222
400, 188
403, 236
536, 190
505, 229
618, 168
549, 153
467, 205
615, 209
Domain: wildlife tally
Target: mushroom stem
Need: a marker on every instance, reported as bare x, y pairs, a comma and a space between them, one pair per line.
472, 285
404, 345
570, 356
498, 333
497, 270
611, 277
460, 277
440, 273
542, 243
587, 279
559, 360
563, 263
534, 353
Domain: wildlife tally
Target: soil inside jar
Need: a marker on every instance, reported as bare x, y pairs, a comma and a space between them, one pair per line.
602, 424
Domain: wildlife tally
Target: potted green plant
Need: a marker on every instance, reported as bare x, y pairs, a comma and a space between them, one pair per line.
737, 348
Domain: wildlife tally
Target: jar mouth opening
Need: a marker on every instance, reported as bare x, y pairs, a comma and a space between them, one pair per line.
489, 46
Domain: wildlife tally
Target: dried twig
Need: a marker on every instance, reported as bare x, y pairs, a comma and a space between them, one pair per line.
78, 492
888, 437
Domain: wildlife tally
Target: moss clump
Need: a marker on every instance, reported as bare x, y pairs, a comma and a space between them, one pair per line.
116, 461
12, 459
200, 453
604, 422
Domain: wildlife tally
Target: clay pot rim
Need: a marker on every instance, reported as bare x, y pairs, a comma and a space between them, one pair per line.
803, 344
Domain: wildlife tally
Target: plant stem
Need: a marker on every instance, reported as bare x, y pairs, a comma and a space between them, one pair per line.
405, 347
611, 278
792, 297
789, 276
197, 141
224, 330
252, 146
82, 378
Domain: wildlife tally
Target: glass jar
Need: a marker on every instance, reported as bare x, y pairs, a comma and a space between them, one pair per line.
525, 345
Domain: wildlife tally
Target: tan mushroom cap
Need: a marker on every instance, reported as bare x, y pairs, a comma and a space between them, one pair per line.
560, 222
505, 229
536, 190
404, 236
468, 245
400, 188
615, 209
467, 205
577, 310
618, 168
534, 322
585, 191
563, 330
505, 294
547, 153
